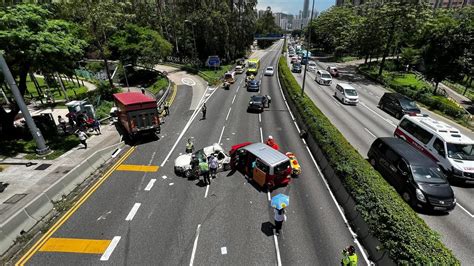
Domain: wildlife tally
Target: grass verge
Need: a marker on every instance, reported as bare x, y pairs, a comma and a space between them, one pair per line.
160, 84
72, 91
59, 145
405, 235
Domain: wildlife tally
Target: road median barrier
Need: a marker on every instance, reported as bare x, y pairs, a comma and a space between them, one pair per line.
391, 232
38, 208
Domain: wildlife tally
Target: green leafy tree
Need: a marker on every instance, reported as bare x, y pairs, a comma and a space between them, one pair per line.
266, 25
445, 46
410, 56
135, 44
32, 41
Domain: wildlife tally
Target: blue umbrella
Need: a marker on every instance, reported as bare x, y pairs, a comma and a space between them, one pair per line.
280, 201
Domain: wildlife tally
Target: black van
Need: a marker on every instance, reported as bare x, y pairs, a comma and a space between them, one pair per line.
416, 177
398, 104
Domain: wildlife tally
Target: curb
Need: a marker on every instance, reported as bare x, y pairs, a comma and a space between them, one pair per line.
34, 212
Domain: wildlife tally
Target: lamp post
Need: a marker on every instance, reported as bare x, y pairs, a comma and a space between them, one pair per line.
194, 37
125, 74
41, 147
307, 51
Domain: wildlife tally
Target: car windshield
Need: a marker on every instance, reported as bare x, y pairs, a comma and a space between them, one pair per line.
408, 104
461, 151
252, 65
297, 65
256, 99
269, 68
325, 76
425, 174
350, 92
282, 167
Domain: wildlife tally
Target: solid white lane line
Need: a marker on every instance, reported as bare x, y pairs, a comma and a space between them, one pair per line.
193, 253
277, 250
261, 135
207, 191
228, 113
269, 196
133, 211
234, 98
385, 119
464, 209
110, 248
150, 185
368, 131
260, 118
220, 137
238, 88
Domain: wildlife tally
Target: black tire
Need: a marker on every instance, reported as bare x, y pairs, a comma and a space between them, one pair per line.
382, 106
188, 173
407, 197
373, 162
226, 167
398, 115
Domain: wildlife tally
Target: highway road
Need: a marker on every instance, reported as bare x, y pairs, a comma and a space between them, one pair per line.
142, 213
363, 123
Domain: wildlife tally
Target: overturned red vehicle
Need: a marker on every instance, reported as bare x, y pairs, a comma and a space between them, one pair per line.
266, 166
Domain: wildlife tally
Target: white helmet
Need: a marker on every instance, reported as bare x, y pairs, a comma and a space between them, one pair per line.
270, 137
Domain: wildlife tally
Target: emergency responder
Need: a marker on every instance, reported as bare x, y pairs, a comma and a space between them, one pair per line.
271, 142
189, 146
349, 256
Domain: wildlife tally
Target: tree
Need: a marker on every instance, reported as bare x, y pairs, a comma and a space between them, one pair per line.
266, 25
101, 20
444, 48
33, 41
134, 43
410, 56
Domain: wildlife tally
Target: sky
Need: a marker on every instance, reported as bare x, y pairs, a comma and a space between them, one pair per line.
293, 6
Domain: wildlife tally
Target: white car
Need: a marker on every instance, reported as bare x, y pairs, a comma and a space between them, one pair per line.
239, 69
346, 94
312, 66
323, 77
182, 164
269, 71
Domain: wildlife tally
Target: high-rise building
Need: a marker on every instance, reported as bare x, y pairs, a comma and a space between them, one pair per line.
306, 9
434, 3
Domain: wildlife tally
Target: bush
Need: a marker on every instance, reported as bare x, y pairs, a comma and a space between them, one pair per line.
103, 110
405, 235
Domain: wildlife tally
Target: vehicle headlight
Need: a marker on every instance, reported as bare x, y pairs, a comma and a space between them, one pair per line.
250, 102
420, 196
456, 171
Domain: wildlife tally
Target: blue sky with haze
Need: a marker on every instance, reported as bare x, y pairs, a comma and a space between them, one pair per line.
294, 6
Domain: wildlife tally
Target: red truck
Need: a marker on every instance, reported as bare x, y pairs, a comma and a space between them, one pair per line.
137, 113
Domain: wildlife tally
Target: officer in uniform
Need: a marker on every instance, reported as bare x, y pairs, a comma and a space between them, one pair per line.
349, 256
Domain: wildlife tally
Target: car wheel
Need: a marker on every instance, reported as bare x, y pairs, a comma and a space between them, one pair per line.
226, 167
187, 173
373, 162
398, 115
408, 198
382, 106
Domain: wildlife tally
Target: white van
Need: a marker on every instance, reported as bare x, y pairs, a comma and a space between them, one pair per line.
346, 94
323, 77
453, 151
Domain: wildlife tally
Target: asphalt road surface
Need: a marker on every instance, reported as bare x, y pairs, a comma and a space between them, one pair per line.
155, 217
363, 123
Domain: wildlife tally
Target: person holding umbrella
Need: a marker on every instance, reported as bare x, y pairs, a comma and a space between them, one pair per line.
279, 203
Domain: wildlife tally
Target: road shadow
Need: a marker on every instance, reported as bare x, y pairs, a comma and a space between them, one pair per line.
267, 228
461, 184
201, 183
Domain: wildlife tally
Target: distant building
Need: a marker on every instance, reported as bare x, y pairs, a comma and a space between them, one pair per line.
260, 13
434, 3
306, 13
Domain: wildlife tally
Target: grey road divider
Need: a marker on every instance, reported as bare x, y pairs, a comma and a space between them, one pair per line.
38, 208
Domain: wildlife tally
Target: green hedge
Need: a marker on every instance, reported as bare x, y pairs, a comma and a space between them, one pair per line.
406, 236
422, 95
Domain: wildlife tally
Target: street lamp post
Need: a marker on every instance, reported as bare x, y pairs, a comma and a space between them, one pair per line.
41, 147
307, 51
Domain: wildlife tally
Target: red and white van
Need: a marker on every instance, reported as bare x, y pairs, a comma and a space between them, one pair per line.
445, 144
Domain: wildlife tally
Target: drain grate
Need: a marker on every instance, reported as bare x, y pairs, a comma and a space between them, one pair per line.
14, 199
43, 166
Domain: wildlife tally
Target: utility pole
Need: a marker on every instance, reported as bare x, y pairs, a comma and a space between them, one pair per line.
41, 147
307, 51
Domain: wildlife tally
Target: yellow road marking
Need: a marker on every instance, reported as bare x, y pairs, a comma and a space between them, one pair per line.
138, 168
75, 245
71, 211
175, 90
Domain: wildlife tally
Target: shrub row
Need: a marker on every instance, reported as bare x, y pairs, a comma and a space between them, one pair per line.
423, 95
406, 236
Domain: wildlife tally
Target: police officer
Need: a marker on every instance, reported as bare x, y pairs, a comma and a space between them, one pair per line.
349, 256
189, 146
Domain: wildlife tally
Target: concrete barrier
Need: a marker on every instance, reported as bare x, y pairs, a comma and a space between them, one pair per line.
27, 217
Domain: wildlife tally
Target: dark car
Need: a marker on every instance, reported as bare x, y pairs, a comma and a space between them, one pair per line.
416, 177
253, 85
398, 104
296, 68
333, 71
258, 103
